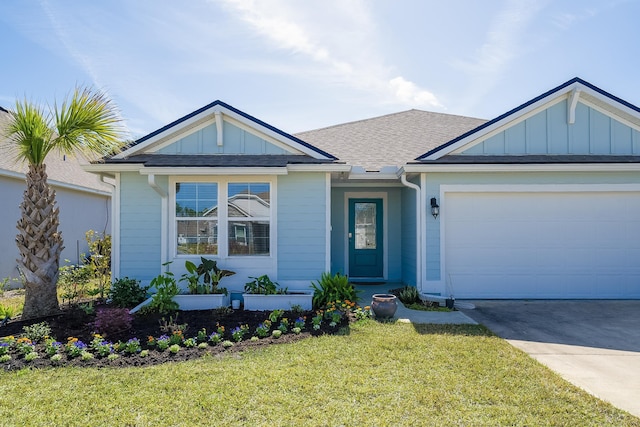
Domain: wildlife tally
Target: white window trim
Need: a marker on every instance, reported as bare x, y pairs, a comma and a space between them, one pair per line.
223, 231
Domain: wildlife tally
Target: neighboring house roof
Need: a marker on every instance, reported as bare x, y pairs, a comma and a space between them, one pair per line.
220, 107
390, 140
62, 171
577, 87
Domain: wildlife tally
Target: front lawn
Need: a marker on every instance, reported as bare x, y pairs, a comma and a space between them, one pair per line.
379, 374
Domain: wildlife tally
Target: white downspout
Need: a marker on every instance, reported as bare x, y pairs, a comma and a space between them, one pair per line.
403, 179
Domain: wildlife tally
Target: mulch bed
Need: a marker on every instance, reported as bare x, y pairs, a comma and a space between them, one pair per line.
73, 322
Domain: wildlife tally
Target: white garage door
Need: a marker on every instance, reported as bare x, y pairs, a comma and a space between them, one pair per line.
542, 245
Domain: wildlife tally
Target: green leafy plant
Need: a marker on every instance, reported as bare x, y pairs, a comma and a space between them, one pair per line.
409, 295
73, 282
263, 329
332, 288
37, 332
99, 261
87, 307
174, 349
205, 277
264, 286
166, 288
275, 315
127, 293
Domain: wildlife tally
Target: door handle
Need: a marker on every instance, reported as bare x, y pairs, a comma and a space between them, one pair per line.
350, 235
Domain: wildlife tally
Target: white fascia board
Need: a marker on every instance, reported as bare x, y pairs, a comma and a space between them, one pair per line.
606, 100
112, 167
329, 167
524, 167
611, 115
214, 171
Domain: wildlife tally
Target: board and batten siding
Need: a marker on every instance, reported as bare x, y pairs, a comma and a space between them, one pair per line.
408, 236
435, 180
301, 221
548, 132
235, 141
140, 227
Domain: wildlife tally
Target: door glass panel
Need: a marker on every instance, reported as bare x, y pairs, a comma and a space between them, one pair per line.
365, 224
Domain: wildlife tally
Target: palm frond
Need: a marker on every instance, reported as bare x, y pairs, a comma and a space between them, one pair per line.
88, 122
30, 131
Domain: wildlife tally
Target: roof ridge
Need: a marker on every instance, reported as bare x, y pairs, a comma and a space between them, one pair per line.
382, 116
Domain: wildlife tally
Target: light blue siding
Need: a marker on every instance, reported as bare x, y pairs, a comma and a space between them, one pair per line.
140, 227
394, 231
301, 226
548, 132
434, 181
408, 236
235, 141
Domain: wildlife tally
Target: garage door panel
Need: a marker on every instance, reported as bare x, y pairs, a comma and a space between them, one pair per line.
542, 244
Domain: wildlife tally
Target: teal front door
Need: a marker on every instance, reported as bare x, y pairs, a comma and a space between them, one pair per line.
365, 238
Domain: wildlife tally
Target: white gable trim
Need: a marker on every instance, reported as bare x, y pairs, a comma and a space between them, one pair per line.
572, 93
213, 115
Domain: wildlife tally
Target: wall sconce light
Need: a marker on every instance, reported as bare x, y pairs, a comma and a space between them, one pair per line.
435, 209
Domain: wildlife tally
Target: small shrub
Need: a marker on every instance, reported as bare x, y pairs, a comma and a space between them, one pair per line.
203, 345
37, 332
275, 315
172, 325
332, 288
127, 293
56, 358
114, 356
166, 288
143, 353
189, 342
296, 330
296, 309
30, 357
227, 344
264, 286
73, 282
85, 355
132, 346
409, 295
277, 333
254, 338
5, 358
112, 320
99, 261
175, 348
263, 329
215, 338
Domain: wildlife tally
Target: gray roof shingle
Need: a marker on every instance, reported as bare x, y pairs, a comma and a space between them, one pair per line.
219, 160
390, 140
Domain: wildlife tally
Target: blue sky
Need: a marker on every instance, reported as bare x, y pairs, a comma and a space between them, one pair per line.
302, 65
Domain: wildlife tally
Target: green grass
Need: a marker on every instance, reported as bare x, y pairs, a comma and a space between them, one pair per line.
380, 374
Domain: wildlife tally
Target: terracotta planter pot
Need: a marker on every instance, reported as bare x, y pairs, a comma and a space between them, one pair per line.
384, 305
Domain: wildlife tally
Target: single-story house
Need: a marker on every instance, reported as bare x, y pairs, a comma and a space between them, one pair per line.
83, 198
540, 202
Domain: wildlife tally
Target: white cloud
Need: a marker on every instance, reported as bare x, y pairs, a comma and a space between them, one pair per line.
350, 58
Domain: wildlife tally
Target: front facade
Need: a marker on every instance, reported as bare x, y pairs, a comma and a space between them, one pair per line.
541, 202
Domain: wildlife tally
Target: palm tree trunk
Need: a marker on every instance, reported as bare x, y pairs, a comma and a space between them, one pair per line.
40, 245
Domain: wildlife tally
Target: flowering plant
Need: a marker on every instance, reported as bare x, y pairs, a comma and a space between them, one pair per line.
284, 325
263, 329
132, 346
75, 347
102, 347
215, 338
239, 332
317, 320
299, 323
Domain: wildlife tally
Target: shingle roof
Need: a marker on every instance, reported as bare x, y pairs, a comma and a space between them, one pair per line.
391, 140
219, 160
64, 169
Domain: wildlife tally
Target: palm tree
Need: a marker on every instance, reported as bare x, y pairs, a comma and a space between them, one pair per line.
86, 122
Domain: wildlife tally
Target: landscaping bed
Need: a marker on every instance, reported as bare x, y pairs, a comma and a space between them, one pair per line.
74, 323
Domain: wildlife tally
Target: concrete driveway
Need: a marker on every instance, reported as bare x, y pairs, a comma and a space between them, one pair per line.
593, 344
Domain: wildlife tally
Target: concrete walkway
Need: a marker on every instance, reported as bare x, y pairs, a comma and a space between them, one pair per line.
403, 314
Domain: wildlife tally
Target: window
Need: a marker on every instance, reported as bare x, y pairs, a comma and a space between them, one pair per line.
244, 221
197, 218
249, 211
